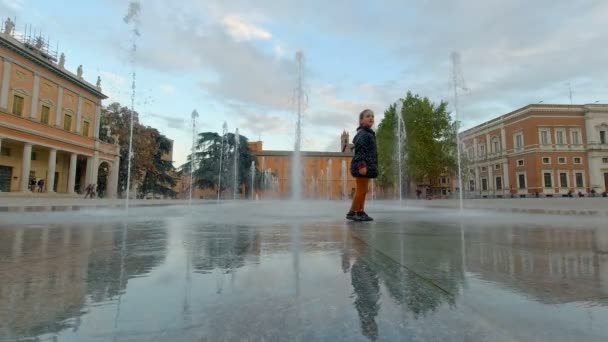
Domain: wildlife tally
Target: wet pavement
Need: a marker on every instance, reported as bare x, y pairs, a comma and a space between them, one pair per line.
281, 271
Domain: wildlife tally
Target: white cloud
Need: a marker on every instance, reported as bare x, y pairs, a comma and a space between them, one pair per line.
240, 30
14, 5
167, 89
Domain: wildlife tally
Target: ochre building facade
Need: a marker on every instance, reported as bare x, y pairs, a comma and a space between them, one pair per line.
49, 125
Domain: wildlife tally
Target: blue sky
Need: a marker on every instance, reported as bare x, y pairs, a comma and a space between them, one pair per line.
233, 60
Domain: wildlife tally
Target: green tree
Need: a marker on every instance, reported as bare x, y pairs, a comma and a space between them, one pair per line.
147, 167
429, 144
207, 158
159, 179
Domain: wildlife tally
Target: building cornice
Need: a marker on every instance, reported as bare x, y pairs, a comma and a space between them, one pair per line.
13, 45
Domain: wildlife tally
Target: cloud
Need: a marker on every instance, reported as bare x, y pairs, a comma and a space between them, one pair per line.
167, 89
241, 30
170, 121
13, 5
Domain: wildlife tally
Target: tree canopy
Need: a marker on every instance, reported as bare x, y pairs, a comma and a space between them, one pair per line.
148, 167
429, 144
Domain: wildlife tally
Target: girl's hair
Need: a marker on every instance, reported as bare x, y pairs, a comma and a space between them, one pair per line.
365, 111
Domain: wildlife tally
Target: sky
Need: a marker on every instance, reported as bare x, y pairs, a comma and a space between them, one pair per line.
234, 61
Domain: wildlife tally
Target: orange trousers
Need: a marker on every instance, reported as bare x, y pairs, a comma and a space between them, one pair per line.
360, 192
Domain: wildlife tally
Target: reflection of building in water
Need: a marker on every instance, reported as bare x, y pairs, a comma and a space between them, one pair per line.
554, 265
225, 250
48, 273
43, 278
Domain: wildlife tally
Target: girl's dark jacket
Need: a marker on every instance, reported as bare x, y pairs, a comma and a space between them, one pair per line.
366, 153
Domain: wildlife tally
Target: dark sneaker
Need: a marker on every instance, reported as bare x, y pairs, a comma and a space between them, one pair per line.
364, 217
351, 215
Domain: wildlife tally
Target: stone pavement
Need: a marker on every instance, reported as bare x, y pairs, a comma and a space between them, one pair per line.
297, 271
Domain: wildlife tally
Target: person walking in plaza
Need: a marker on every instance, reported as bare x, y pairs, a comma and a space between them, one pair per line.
89, 191
40, 185
364, 164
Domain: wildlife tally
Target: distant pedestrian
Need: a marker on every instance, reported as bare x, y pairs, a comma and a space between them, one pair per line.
418, 193
33, 184
364, 164
88, 190
40, 185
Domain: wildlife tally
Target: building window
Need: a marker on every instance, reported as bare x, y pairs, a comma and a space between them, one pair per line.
563, 180
578, 160
519, 141
602, 137
561, 160
484, 169
34, 156
44, 115
579, 180
605, 160
85, 128
471, 185
548, 179
497, 167
5, 151
498, 183
546, 160
521, 180
482, 150
495, 145
67, 122
443, 180
576, 137
544, 137
559, 137
520, 162
484, 184
18, 105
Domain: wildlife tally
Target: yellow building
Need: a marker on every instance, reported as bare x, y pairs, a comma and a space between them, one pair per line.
49, 123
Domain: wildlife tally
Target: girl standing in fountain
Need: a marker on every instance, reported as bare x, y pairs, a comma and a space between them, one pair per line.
364, 164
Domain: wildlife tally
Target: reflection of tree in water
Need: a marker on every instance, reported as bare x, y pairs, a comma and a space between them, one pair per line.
146, 248
421, 270
224, 249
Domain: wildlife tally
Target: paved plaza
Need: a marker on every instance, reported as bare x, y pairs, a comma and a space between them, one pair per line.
284, 271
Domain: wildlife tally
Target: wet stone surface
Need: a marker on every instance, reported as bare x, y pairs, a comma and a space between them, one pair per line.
281, 271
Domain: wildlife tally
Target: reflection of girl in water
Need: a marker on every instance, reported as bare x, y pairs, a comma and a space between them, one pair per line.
367, 290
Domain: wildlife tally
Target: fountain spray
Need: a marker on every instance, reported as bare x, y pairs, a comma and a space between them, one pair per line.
194, 116
296, 170
219, 177
458, 82
132, 17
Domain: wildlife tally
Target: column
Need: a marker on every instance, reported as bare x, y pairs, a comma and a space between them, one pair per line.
79, 114
95, 169
26, 164
491, 180
50, 179
35, 92
88, 179
6, 76
475, 149
503, 141
59, 109
505, 175
488, 146
72, 173
112, 186
477, 179
97, 121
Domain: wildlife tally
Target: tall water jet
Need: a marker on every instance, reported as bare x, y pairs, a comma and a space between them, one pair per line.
236, 162
252, 170
296, 169
343, 169
458, 82
219, 176
400, 135
192, 155
132, 17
